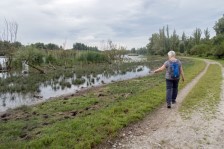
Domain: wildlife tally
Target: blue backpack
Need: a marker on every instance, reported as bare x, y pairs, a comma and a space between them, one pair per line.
174, 70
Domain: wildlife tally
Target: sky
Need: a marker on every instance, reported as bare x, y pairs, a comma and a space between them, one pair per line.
128, 23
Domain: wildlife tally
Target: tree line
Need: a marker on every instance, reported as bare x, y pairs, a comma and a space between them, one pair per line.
140, 51
81, 46
7, 47
199, 43
9, 43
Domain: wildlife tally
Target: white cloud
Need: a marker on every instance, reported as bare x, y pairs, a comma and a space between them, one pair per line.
127, 22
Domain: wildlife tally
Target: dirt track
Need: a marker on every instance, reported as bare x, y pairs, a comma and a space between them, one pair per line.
167, 129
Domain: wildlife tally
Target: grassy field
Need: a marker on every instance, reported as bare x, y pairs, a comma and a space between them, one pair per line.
87, 120
206, 94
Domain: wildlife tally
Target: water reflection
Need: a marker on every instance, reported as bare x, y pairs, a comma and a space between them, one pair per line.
3, 61
56, 88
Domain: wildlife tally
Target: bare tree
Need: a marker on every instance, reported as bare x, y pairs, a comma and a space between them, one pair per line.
9, 34
112, 46
102, 45
3, 35
7, 30
13, 29
10, 30
64, 44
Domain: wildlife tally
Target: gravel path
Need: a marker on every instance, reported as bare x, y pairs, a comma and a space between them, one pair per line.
166, 129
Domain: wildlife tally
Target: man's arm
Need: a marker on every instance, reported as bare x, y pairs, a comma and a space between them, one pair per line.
182, 73
160, 69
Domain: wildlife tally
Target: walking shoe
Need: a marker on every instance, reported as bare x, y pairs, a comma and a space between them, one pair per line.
168, 106
173, 102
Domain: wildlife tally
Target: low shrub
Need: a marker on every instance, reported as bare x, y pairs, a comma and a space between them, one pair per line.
202, 50
219, 50
31, 55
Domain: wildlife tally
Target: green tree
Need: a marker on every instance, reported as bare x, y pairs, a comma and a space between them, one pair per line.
184, 37
167, 39
219, 26
38, 45
154, 44
142, 51
162, 40
159, 43
181, 47
174, 41
133, 50
219, 50
7, 48
207, 34
81, 46
197, 36
218, 39
189, 44
51, 46
183, 43
17, 44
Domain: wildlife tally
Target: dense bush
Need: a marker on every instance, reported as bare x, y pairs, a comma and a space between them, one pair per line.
31, 55
6, 47
65, 58
51, 59
219, 50
218, 39
202, 50
49, 46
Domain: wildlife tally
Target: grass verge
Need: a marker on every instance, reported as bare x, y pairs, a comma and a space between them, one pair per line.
87, 120
206, 93
221, 61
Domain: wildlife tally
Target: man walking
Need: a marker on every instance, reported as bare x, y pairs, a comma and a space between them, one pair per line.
174, 70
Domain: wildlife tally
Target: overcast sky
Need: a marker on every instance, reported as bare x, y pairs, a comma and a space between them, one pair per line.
126, 22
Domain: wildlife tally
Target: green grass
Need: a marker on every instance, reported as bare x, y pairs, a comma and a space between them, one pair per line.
205, 95
197, 65
221, 61
87, 120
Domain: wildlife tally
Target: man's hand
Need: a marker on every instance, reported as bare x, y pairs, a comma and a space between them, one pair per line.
183, 79
153, 71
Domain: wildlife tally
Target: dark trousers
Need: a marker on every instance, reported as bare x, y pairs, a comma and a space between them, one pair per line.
171, 90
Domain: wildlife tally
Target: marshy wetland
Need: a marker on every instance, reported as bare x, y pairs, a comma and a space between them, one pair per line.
88, 119
24, 87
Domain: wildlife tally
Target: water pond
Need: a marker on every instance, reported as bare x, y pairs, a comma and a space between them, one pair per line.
65, 85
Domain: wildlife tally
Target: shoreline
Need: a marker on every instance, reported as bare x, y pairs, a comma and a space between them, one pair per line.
70, 95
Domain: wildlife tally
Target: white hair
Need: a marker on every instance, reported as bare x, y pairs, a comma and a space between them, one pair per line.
171, 54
